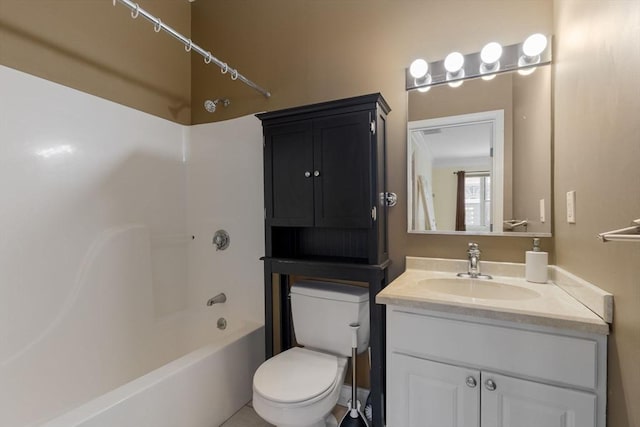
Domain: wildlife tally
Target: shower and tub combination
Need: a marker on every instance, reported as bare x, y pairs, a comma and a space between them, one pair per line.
103, 292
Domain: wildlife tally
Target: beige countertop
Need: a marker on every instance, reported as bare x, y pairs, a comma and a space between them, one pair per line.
547, 304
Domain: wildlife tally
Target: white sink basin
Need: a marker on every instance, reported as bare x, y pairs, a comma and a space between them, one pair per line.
478, 288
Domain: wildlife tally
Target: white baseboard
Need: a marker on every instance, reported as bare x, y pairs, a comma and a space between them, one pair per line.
345, 396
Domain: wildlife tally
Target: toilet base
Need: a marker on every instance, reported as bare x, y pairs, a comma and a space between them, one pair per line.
331, 421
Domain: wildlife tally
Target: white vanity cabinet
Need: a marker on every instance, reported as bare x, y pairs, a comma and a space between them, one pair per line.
451, 370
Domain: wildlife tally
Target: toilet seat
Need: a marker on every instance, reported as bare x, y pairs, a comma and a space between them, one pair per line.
296, 376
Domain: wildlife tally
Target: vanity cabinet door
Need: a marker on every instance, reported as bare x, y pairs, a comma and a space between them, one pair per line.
511, 402
422, 393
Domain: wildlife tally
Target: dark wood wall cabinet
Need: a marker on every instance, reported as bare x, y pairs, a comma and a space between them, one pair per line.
325, 210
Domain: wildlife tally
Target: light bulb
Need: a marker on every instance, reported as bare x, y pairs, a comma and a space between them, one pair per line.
534, 45
456, 84
526, 71
424, 89
418, 68
488, 77
454, 62
491, 53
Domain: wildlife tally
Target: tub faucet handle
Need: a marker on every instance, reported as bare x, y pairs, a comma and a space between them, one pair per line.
221, 240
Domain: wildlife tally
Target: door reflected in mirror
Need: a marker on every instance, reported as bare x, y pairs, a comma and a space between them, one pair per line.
479, 156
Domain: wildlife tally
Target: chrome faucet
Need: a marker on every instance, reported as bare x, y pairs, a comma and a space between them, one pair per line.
474, 263
218, 299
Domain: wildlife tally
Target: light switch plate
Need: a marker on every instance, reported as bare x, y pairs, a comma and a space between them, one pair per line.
571, 207
543, 217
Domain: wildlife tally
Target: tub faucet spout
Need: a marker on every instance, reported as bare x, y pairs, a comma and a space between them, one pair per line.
218, 299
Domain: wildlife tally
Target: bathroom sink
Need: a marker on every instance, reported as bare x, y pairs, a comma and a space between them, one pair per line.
478, 289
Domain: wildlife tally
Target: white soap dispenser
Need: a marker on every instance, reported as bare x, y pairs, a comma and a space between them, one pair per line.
536, 264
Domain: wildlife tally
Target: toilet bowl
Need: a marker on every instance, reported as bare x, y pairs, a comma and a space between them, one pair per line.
298, 388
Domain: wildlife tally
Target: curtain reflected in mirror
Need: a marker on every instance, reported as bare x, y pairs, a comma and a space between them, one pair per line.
461, 199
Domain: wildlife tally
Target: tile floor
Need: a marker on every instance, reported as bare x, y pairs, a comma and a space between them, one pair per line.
247, 417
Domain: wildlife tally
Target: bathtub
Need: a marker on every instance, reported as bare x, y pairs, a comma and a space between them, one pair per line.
201, 388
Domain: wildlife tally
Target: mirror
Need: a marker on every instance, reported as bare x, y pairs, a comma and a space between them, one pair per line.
479, 156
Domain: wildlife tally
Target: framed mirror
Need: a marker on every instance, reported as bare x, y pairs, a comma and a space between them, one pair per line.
479, 156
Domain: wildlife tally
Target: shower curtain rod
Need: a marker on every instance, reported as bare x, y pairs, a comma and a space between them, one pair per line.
158, 25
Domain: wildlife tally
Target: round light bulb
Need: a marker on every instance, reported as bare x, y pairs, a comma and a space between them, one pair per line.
489, 77
454, 62
526, 71
456, 83
491, 53
534, 45
418, 68
424, 89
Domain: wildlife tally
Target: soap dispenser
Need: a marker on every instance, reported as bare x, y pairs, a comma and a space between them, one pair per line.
536, 264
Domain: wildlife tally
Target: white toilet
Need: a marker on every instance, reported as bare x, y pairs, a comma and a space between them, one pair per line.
299, 387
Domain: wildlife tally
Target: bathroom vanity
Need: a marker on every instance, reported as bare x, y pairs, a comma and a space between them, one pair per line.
493, 352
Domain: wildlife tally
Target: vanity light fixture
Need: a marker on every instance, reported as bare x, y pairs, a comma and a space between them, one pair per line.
490, 56
532, 47
454, 63
419, 70
491, 60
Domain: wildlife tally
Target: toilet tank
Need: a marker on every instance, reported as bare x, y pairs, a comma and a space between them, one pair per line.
323, 311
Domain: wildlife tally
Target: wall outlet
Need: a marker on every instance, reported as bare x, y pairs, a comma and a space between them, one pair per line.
571, 207
543, 217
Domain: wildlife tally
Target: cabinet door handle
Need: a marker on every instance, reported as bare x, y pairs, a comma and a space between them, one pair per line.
307, 174
316, 173
471, 382
490, 385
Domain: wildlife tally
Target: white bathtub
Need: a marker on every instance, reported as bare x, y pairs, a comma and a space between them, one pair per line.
200, 389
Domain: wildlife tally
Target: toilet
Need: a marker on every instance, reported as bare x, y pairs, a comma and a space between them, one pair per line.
300, 386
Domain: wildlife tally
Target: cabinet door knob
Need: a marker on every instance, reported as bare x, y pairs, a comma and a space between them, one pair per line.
490, 385
471, 382
316, 173
307, 174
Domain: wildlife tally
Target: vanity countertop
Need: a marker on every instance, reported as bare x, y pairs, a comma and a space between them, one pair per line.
550, 306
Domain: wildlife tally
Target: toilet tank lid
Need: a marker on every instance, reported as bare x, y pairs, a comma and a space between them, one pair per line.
330, 290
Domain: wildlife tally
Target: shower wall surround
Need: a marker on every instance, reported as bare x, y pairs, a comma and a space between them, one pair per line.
99, 203
225, 191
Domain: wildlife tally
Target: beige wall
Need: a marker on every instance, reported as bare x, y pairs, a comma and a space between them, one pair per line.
307, 51
597, 149
94, 47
